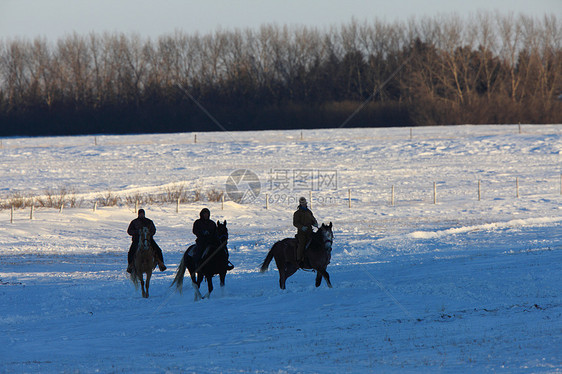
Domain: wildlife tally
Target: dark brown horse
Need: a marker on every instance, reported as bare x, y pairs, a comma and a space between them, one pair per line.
317, 256
213, 261
143, 262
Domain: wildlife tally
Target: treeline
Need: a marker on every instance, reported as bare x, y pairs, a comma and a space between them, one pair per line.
486, 68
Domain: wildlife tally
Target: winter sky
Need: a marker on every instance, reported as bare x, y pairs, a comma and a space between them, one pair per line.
55, 18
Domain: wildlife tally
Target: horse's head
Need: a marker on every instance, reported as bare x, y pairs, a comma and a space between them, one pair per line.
222, 232
144, 238
325, 236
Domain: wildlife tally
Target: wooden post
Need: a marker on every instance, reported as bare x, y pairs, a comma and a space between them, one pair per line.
178, 205
95, 205
222, 202
12, 214
195, 138
302, 137
411, 135
392, 196
479, 191
95, 140
31, 211
434, 193
517, 187
136, 206
61, 207
519, 127
266, 201
349, 197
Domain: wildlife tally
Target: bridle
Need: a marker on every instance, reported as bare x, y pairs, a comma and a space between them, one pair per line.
144, 236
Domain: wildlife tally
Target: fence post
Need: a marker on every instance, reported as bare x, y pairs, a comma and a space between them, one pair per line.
479, 191
266, 201
95, 205
178, 205
349, 197
136, 206
95, 140
31, 211
517, 187
519, 127
195, 138
222, 202
12, 214
302, 137
411, 133
61, 207
392, 196
434, 193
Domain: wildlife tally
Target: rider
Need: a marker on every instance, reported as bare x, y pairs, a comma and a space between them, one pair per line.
303, 220
134, 230
206, 231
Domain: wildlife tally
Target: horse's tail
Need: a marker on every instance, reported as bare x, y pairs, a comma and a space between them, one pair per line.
267, 260
178, 280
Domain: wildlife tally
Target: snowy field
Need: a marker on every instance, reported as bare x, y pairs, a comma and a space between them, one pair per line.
451, 281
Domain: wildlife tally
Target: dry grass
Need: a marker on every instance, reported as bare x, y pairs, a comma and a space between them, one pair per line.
66, 197
214, 195
108, 199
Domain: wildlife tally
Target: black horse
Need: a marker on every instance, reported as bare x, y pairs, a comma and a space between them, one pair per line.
213, 261
317, 256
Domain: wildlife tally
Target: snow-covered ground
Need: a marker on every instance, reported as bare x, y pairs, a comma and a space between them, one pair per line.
462, 284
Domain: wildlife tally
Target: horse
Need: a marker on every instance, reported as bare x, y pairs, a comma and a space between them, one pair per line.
143, 262
213, 261
317, 256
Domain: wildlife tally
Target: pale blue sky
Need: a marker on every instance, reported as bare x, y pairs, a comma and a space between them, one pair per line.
55, 18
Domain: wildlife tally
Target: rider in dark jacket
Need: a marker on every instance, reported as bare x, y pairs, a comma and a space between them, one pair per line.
206, 232
303, 220
134, 229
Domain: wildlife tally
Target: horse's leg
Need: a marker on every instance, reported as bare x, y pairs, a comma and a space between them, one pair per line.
282, 277
327, 277
194, 282
281, 268
318, 278
148, 275
222, 277
142, 285
322, 273
197, 279
209, 285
